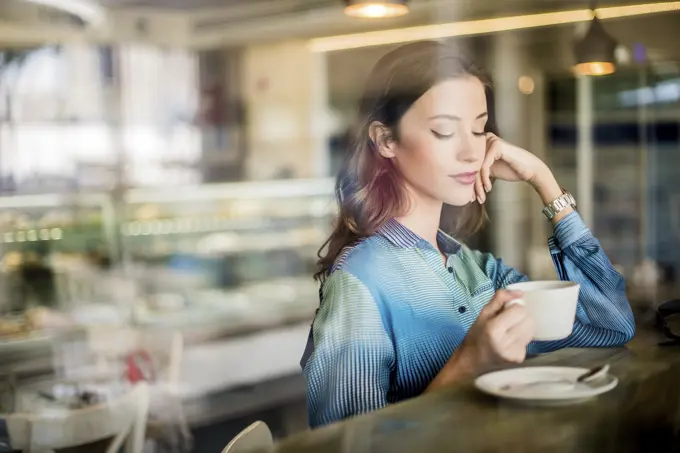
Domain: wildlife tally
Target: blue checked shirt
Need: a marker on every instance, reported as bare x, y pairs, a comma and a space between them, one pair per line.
391, 315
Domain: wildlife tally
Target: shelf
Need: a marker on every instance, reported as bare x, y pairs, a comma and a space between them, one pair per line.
193, 225
233, 242
54, 200
234, 191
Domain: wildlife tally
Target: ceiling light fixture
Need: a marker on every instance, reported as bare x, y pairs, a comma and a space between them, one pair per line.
482, 26
376, 9
89, 12
595, 51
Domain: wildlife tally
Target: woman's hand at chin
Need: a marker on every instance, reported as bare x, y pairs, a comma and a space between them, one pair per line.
511, 163
500, 335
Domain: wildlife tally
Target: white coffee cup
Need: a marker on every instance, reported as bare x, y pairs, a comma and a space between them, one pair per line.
552, 306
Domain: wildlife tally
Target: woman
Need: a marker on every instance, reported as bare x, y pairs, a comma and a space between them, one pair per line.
405, 308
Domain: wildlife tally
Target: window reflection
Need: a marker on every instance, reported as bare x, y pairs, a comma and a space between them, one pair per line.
70, 117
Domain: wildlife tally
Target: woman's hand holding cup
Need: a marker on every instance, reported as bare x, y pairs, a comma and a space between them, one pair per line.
500, 335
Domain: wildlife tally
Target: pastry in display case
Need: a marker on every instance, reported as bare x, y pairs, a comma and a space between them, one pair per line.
43, 239
235, 254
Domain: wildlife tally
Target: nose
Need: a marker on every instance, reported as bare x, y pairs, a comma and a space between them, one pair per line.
465, 150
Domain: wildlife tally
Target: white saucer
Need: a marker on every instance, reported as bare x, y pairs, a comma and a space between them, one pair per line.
542, 386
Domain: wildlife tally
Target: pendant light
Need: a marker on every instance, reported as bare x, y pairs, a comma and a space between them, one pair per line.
595, 51
376, 9
91, 13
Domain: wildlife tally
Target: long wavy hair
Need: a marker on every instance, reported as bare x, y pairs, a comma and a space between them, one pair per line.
369, 188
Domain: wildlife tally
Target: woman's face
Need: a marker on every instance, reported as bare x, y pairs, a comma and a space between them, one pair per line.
442, 143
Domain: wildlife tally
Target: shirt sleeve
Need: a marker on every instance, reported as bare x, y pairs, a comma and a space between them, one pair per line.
349, 371
603, 315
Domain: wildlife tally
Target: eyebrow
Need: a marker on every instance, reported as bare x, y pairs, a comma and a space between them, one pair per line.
457, 118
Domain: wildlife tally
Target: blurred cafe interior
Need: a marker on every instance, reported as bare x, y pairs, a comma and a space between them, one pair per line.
167, 177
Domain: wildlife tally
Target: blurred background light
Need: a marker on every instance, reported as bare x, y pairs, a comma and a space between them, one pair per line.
376, 9
525, 84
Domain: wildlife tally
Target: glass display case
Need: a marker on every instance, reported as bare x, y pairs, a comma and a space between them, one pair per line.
237, 253
53, 249
48, 232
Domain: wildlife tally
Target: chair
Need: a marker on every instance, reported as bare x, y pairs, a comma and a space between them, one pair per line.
122, 420
256, 437
154, 356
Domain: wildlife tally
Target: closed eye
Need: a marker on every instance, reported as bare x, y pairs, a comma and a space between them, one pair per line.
441, 136
479, 134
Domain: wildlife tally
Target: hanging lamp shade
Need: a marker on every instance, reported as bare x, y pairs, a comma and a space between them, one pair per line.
88, 12
376, 8
595, 51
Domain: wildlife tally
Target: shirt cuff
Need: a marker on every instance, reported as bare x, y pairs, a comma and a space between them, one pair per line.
567, 231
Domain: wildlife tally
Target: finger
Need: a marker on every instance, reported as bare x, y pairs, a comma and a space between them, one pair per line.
516, 353
498, 302
524, 331
512, 349
489, 159
508, 319
486, 173
480, 194
507, 295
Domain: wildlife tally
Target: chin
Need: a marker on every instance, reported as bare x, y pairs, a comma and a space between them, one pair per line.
458, 199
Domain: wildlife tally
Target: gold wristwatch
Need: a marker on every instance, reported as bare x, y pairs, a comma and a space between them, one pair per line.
559, 204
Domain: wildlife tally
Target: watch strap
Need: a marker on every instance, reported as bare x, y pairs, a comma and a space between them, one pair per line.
559, 204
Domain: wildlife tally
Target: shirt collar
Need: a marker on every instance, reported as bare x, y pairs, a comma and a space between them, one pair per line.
402, 237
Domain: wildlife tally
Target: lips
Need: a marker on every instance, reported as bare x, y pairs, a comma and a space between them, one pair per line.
465, 178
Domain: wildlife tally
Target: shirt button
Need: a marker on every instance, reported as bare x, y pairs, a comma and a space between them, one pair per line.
461, 309
450, 269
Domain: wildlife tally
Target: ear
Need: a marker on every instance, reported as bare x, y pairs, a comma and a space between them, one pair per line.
381, 136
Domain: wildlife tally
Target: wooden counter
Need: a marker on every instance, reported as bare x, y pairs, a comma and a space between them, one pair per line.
641, 415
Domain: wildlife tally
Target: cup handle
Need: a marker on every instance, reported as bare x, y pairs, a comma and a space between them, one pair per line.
513, 302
